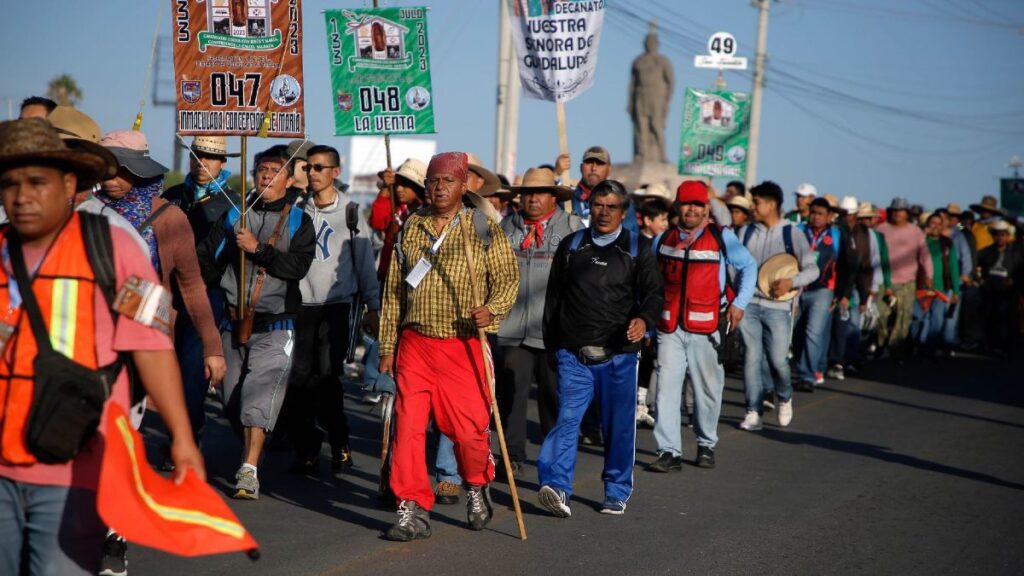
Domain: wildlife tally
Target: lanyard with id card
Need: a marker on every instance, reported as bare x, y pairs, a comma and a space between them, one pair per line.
423, 267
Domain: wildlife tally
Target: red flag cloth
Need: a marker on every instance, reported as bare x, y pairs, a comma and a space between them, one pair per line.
148, 509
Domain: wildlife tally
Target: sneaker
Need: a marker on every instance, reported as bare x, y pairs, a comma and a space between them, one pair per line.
666, 462
836, 372
705, 457
341, 459
413, 523
115, 556
478, 507
751, 422
554, 500
819, 378
446, 492
305, 466
592, 438
785, 412
613, 507
247, 487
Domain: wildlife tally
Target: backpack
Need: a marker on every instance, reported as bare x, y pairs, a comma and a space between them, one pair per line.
483, 231
787, 237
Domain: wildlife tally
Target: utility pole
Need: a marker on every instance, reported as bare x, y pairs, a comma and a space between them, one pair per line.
159, 101
755, 105
504, 60
511, 115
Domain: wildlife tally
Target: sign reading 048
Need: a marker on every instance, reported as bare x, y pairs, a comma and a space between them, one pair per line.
244, 89
387, 99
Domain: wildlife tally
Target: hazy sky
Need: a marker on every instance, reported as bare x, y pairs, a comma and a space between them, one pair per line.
873, 98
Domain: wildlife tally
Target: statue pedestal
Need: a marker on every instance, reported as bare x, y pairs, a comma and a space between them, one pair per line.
634, 176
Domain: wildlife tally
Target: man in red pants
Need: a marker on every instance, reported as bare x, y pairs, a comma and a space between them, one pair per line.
430, 317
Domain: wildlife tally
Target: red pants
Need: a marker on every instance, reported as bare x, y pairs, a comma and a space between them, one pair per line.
444, 377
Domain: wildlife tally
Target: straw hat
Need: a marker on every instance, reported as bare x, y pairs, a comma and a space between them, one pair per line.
848, 204
953, 209
542, 180
414, 172
212, 146
783, 265
988, 204
33, 139
742, 202
656, 190
833, 202
866, 210
492, 184
1000, 226
71, 123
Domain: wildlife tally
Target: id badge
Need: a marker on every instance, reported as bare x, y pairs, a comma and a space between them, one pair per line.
419, 272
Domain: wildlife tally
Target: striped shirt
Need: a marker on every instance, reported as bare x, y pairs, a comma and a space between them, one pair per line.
439, 306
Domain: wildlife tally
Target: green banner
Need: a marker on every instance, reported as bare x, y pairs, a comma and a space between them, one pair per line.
380, 71
715, 135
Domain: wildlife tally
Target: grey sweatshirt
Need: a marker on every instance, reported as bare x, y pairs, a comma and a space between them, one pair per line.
332, 277
765, 243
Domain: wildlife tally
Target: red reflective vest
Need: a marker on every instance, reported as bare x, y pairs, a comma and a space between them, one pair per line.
693, 293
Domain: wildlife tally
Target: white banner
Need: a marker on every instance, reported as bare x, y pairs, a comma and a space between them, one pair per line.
556, 45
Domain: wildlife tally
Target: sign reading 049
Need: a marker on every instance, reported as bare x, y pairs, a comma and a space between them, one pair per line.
380, 71
237, 63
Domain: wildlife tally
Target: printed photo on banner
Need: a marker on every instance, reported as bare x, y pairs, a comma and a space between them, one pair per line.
235, 62
715, 134
380, 71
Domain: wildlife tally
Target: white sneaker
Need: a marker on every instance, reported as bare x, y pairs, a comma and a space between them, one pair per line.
643, 415
752, 422
785, 412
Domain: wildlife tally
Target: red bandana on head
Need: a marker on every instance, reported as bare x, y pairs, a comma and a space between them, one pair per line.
454, 163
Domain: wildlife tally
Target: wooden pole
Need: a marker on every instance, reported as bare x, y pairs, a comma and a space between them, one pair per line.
489, 374
242, 223
563, 137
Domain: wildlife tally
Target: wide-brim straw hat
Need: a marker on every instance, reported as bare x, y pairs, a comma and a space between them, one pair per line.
988, 204
848, 204
414, 172
867, 210
35, 141
1000, 226
656, 190
542, 180
742, 202
953, 209
492, 184
470, 198
78, 131
212, 146
778, 267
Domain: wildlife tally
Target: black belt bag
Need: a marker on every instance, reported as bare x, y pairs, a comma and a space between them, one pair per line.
68, 398
590, 355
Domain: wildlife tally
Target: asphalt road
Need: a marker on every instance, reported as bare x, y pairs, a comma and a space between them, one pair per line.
914, 469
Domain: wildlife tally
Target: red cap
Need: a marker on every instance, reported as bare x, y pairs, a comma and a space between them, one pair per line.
692, 191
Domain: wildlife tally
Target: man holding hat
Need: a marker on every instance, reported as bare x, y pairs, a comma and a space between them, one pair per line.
39, 176
604, 294
786, 263
697, 314
805, 192
909, 257
431, 321
535, 233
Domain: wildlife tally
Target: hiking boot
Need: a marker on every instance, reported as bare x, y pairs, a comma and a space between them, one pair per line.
751, 422
247, 487
554, 500
341, 459
305, 465
614, 507
478, 507
413, 523
705, 457
115, 556
666, 462
785, 412
836, 372
446, 492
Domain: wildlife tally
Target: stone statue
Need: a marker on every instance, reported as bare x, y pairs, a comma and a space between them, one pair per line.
650, 91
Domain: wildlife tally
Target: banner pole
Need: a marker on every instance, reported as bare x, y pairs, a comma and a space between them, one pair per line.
563, 137
242, 224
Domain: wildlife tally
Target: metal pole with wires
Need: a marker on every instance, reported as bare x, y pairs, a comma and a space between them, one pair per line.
755, 104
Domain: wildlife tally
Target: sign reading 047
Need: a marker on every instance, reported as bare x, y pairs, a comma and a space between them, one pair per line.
380, 71
235, 63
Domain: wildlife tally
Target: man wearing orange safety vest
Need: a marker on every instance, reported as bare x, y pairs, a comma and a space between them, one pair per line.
54, 393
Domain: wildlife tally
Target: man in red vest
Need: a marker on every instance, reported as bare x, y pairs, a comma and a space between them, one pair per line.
699, 310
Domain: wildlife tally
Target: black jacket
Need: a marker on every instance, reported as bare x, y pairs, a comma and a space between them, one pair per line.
201, 215
594, 292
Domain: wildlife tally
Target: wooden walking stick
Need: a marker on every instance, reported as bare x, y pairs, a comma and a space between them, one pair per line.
489, 374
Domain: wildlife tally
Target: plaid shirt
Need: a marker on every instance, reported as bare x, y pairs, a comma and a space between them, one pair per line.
439, 307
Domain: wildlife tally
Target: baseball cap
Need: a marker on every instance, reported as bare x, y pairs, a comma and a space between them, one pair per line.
597, 153
806, 189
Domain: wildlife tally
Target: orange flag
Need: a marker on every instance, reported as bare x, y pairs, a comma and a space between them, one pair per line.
148, 509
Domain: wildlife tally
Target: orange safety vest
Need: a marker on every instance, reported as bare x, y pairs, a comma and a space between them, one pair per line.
64, 287
693, 294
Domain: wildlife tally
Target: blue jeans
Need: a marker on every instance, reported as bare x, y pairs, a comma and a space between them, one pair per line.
766, 334
680, 352
446, 467
612, 385
189, 348
58, 526
812, 333
845, 345
950, 326
929, 325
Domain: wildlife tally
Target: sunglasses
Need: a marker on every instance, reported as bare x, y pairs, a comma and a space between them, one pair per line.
317, 167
